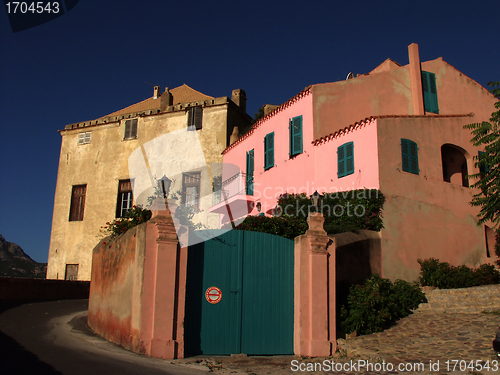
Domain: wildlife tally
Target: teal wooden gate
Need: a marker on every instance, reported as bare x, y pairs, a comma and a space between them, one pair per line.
254, 274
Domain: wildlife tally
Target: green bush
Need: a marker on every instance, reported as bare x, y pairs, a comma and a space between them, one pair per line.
442, 275
134, 216
343, 211
378, 303
288, 227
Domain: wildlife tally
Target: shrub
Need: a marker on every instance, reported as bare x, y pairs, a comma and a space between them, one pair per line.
378, 303
343, 211
442, 275
134, 216
288, 227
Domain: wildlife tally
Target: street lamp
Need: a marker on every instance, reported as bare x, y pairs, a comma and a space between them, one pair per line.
316, 199
165, 183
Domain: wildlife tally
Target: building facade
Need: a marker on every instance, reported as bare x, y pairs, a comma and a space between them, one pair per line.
398, 129
94, 182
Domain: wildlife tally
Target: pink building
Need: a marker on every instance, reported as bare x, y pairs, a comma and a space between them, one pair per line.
397, 129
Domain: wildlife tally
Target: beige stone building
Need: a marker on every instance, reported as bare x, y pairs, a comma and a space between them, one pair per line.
94, 182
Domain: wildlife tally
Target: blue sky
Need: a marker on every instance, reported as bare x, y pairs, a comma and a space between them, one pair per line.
105, 55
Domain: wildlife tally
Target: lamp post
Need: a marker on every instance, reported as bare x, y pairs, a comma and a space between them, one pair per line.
316, 199
165, 183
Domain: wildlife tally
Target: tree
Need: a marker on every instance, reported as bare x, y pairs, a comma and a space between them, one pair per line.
487, 135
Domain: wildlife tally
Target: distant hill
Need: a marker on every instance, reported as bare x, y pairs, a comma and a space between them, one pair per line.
14, 262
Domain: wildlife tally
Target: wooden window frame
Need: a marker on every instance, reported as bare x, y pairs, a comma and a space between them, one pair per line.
84, 138
77, 206
130, 129
195, 118
191, 179
124, 187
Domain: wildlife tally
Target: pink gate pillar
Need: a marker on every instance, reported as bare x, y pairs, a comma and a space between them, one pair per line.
163, 299
314, 307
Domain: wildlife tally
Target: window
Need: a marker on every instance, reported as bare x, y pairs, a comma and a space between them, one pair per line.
484, 168
409, 154
130, 129
430, 92
71, 272
345, 157
124, 201
195, 116
191, 189
84, 138
269, 151
295, 128
249, 175
77, 202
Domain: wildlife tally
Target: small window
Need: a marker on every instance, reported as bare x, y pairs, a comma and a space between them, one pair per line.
430, 92
195, 117
71, 272
269, 151
345, 158
483, 168
295, 128
130, 129
191, 183
249, 174
84, 138
409, 154
77, 203
124, 201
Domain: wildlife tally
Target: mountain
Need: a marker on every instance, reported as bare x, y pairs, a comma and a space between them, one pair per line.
14, 262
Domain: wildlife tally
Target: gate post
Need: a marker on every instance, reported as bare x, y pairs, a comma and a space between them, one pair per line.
163, 299
314, 311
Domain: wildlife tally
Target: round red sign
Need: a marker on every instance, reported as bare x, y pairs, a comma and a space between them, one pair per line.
213, 294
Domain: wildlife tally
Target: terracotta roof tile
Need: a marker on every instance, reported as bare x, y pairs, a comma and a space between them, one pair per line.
182, 94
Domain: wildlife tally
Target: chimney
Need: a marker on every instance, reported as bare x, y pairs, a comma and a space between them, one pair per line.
156, 92
167, 99
268, 108
234, 136
416, 80
240, 99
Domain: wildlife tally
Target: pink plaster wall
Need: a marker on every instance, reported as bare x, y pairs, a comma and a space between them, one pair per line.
116, 279
425, 216
287, 173
340, 104
313, 170
366, 173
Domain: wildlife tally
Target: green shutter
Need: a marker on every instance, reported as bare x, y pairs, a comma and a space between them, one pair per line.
249, 175
349, 158
295, 130
345, 159
484, 168
269, 151
340, 161
430, 92
409, 154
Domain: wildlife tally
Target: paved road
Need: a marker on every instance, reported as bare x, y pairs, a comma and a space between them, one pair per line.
37, 339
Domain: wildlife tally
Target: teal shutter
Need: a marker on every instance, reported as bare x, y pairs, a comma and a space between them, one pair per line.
484, 168
269, 151
409, 154
295, 129
430, 92
249, 175
345, 159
